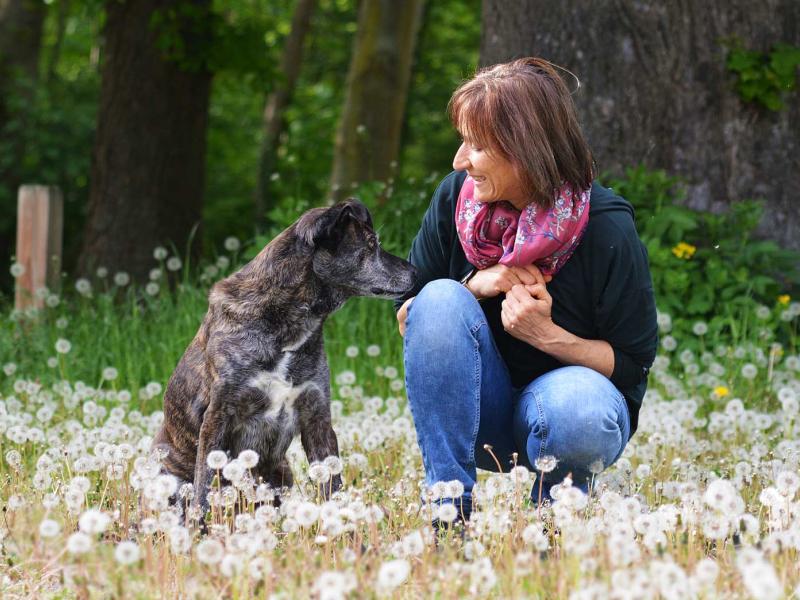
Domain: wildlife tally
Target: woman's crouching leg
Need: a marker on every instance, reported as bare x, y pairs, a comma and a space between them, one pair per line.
575, 415
446, 333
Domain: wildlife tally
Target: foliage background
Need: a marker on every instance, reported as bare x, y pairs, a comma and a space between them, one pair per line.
726, 271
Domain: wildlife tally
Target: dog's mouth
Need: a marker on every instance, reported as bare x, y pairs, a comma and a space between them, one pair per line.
376, 291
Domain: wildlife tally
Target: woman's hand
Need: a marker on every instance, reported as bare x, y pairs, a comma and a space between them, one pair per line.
402, 314
499, 279
527, 314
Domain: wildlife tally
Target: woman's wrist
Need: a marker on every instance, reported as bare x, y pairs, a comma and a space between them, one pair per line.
465, 281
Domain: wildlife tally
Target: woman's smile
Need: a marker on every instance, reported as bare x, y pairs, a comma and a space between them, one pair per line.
495, 177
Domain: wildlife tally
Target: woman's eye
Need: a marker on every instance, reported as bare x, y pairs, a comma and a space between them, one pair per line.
471, 146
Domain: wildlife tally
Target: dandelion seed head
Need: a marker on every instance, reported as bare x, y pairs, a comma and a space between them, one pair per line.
49, 528
545, 464
318, 472
127, 553
63, 346
79, 543
232, 244
209, 551
248, 458
392, 574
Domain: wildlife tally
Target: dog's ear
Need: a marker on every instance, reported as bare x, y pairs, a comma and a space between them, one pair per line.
325, 227
355, 209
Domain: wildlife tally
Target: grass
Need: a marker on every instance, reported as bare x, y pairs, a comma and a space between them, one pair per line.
703, 504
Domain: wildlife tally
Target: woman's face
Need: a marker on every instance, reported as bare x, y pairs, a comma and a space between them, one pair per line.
495, 177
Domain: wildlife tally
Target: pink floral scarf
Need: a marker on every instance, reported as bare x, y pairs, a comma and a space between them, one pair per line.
496, 232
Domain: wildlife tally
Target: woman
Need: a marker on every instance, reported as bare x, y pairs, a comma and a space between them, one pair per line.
533, 324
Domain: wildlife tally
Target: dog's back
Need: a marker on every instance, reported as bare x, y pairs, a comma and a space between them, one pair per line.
185, 402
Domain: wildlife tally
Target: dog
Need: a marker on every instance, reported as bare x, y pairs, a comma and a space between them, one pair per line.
255, 375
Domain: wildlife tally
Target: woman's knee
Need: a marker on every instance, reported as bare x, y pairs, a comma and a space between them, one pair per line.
441, 305
581, 415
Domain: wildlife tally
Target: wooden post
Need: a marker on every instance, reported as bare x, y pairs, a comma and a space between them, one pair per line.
40, 217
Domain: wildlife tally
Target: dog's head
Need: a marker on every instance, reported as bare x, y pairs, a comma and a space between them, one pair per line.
346, 252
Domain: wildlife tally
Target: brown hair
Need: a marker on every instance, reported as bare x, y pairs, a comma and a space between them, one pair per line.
523, 110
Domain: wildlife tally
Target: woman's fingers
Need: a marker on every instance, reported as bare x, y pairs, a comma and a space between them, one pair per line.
533, 275
402, 314
538, 291
508, 278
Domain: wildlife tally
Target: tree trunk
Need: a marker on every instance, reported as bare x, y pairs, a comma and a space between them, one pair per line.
278, 100
148, 162
655, 90
20, 45
368, 139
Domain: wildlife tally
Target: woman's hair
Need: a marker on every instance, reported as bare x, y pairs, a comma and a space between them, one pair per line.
523, 110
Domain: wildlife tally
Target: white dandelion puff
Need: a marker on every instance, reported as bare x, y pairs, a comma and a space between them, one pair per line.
392, 574
49, 528
127, 553
209, 551
248, 458
63, 346
546, 464
79, 543
93, 521
216, 459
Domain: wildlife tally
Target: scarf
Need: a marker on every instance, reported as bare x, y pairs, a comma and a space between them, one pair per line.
496, 232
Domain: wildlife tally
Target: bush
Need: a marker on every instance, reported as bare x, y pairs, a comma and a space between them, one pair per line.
709, 267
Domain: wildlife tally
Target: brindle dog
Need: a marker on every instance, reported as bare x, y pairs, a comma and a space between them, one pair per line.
256, 374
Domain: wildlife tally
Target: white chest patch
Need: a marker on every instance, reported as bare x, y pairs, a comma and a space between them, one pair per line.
281, 392
277, 386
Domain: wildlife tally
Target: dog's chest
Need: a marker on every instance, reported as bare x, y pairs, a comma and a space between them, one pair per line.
278, 391
280, 394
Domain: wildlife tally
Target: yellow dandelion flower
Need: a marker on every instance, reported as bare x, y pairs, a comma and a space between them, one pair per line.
721, 391
684, 250
784, 299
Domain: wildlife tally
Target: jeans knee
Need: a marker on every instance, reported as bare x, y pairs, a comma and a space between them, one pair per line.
441, 293
591, 436
439, 306
586, 416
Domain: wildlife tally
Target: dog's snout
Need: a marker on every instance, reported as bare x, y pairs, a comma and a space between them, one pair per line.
412, 277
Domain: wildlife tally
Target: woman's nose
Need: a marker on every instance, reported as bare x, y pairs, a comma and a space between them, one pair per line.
460, 160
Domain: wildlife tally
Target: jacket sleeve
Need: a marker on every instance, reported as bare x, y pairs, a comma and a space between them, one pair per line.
430, 250
625, 312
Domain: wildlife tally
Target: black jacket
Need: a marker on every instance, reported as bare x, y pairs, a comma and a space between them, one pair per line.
603, 292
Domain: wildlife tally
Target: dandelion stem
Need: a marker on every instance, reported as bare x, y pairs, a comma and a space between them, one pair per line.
488, 448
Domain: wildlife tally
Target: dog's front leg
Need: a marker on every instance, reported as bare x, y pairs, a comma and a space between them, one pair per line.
318, 437
213, 433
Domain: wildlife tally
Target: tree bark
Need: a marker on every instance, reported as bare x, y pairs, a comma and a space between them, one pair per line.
278, 100
655, 90
20, 39
21, 24
368, 139
148, 162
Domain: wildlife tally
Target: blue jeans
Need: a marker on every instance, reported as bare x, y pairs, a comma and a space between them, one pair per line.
461, 397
